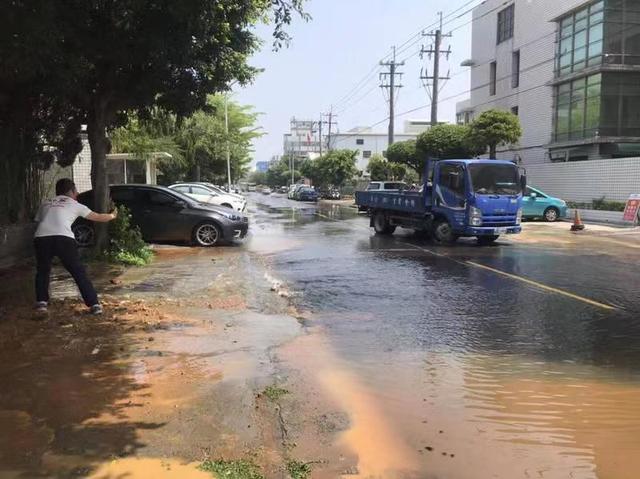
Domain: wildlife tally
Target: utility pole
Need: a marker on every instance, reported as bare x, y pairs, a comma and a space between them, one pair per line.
329, 122
436, 51
228, 150
320, 134
391, 86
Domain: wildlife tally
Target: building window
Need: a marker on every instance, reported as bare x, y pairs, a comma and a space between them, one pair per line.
578, 108
581, 39
359, 141
505, 23
515, 69
492, 78
622, 32
515, 110
366, 154
620, 114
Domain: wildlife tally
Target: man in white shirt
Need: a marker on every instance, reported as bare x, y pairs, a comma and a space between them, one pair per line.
54, 237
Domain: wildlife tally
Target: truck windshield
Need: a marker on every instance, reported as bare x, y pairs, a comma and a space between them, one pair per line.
487, 179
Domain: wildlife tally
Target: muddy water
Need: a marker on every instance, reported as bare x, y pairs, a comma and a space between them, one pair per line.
446, 370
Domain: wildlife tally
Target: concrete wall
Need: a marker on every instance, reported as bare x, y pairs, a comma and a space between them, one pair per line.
534, 36
16, 243
582, 181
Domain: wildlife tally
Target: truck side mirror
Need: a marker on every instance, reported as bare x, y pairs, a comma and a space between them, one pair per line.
523, 182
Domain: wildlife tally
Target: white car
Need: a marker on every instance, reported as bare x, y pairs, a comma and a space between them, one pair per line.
205, 194
219, 190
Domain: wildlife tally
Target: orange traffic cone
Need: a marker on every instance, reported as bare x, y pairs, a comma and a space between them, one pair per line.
577, 225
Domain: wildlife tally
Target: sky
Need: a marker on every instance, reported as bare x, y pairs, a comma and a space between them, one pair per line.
329, 58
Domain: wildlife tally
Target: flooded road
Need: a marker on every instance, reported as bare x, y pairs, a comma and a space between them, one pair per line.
519, 360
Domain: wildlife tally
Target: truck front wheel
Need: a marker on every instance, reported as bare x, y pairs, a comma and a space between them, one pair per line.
443, 233
381, 224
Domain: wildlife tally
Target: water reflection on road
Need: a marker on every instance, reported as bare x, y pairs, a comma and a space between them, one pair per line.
477, 372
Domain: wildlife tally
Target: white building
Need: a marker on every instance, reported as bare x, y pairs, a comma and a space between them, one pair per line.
570, 69
369, 143
303, 140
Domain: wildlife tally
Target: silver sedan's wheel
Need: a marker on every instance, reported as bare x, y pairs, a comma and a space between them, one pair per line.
207, 234
85, 236
551, 214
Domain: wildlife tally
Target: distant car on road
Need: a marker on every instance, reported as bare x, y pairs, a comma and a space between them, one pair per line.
283, 189
266, 191
163, 214
537, 204
388, 186
209, 194
306, 194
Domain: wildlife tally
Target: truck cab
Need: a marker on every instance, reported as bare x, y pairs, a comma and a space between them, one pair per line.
480, 198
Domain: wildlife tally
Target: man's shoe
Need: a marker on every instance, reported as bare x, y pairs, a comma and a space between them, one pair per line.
41, 307
96, 309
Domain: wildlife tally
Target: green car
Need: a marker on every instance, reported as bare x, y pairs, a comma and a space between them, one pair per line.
536, 204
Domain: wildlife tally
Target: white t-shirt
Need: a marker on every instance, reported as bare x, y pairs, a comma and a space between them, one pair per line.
56, 216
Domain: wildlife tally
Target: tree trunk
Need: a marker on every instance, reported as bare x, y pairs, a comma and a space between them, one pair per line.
97, 133
492, 152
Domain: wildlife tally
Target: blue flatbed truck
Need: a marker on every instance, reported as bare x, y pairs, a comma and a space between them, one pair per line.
459, 198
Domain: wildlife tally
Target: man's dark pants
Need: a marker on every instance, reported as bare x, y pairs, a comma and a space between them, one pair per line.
65, 248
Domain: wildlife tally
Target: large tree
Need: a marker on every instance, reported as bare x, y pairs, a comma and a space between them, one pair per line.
494, 128
446, 141
108, 57
382, 170
405, 153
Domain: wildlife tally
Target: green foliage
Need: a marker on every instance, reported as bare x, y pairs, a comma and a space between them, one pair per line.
240, 469
274, 392
93, 62
197, 143
334, 168
446, 141
258, 177
126, 245
298, 469
280, 173
405, 153
383, 170
606, 205
494, 128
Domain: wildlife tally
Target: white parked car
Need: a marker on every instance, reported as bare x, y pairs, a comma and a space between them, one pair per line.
219, 190
205, 194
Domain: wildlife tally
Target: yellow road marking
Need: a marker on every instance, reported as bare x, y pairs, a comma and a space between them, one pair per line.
543, 286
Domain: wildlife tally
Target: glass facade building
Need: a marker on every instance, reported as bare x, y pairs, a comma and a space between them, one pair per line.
597, 85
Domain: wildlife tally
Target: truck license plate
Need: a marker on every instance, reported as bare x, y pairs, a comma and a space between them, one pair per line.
501, 231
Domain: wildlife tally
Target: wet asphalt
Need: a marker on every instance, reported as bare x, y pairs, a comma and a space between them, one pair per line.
538, 383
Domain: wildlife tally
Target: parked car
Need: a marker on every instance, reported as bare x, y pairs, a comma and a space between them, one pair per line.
293, 190
266, 191
206, 194
163, 214
330, 194
388, 186
537, 204
218, 189
306, 193
283, 189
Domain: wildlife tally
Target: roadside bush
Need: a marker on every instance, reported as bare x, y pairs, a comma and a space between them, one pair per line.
126, 245
602, 204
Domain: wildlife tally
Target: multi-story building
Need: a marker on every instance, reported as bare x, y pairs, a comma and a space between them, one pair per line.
369, 143
303, 141
570, 69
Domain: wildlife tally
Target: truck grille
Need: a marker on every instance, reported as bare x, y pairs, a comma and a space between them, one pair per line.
499, 219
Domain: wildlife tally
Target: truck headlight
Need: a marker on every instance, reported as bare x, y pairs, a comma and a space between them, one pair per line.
475, 216
519, 216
